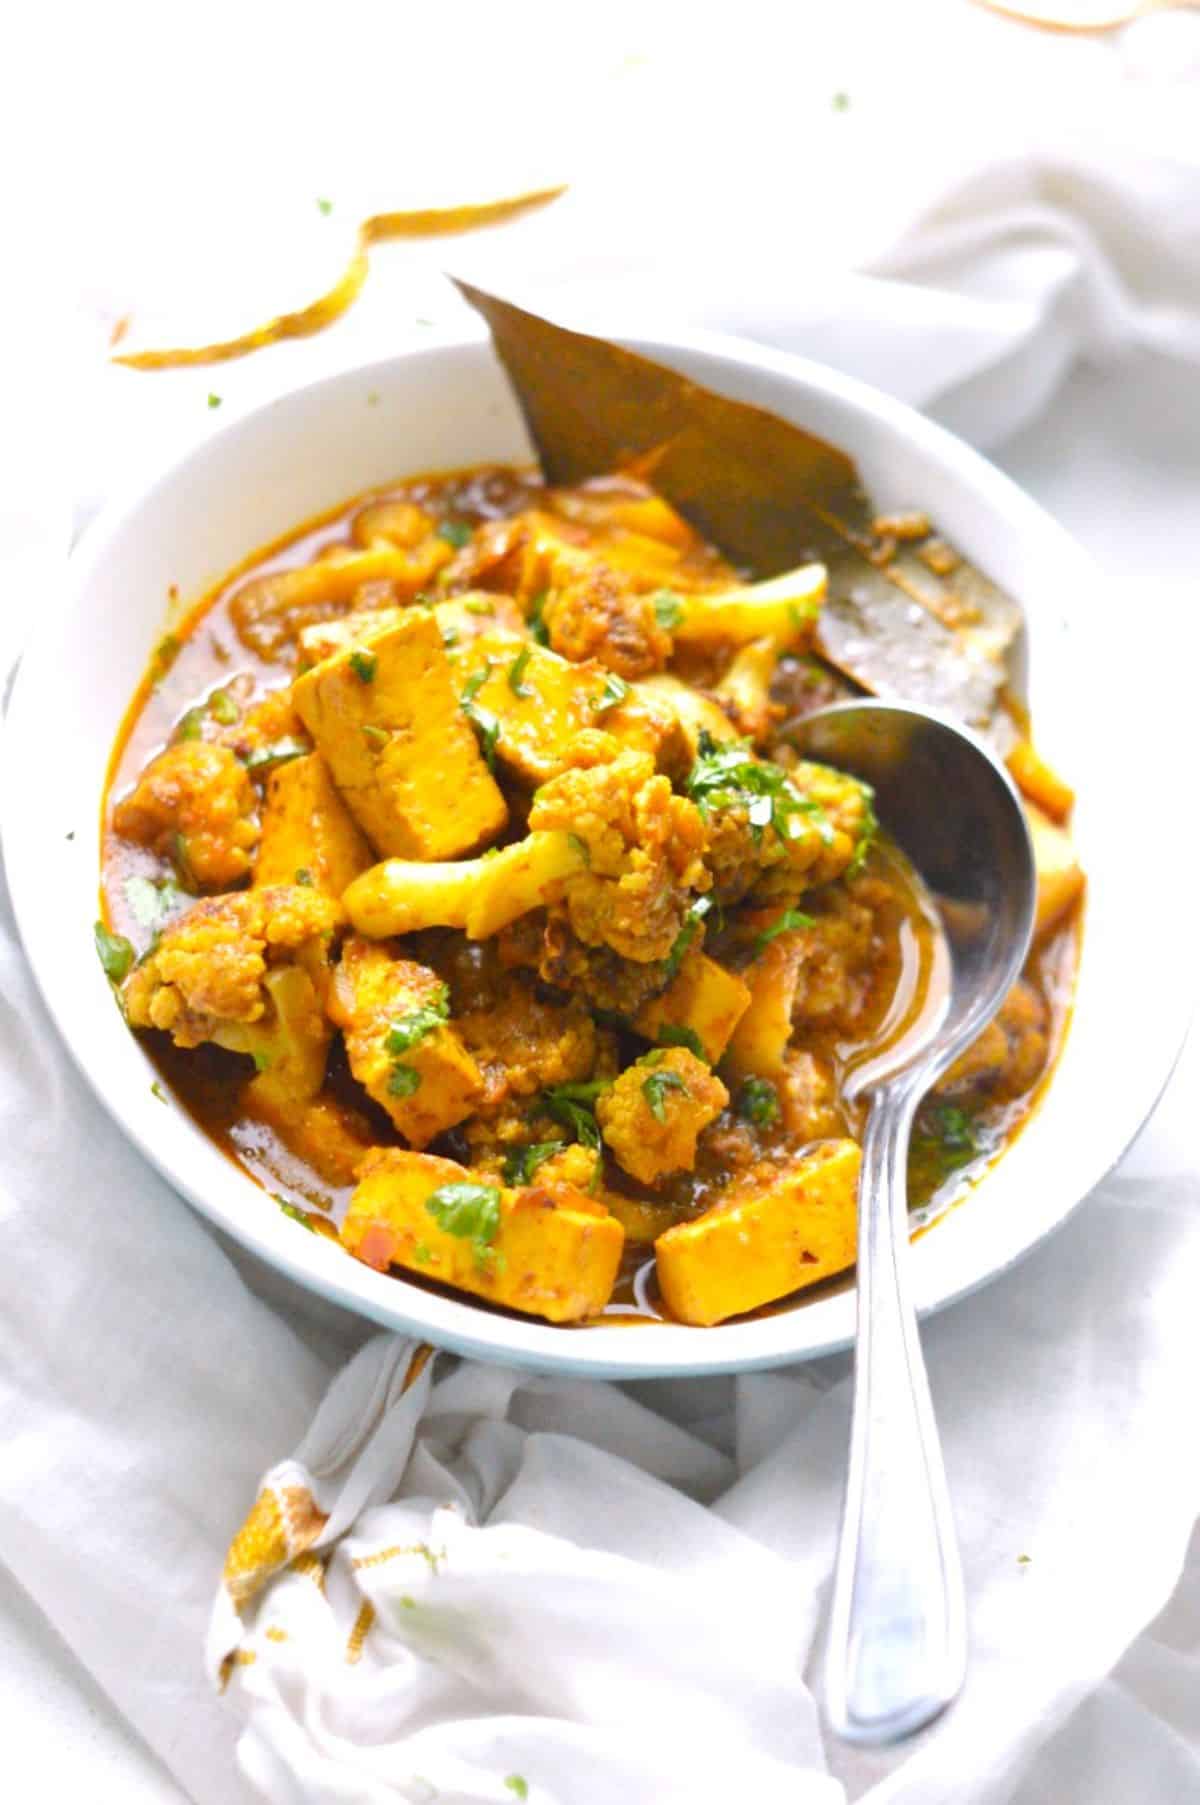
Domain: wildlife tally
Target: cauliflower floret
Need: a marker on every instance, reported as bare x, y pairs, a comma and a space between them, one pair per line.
594, 612
644, 850
775, 833
250, 973
652, 1114
399, 1042
195, 804
522, 1045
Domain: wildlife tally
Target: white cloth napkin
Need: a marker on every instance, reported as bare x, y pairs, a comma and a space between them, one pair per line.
632, 1581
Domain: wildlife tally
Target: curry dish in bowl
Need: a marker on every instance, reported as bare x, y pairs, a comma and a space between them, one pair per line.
464, 884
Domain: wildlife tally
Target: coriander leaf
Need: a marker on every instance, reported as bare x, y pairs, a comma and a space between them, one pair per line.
615, 691
265, 758
840, 103
485, 609
115, 953
471, 1212
672, 1034
363, 665
955, 1129
222, 707
581, 847
729, 775
156, 1090
375, 736
190, 725
866, 834
214, 401
487, 727
758, 1102
668, 609
655, 1088
517, 1783
262, 1061
304, 876
516, 671
572, 1105
405, 1079
165, 653
409, 1029
454, 532
521, 1163
784, 924
325, 207
687, 934
537, 625
290, 1209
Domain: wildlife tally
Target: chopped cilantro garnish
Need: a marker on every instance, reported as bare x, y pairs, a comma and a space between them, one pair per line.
325, 207
422, 1254
655, 1088
190, 725
116, 953
537, 625
687, 933
840, 102
668, 609
471, 1212
304, 876
486, 609
410, 1029
956, 1129
784, 924
375, 736
363, 665
615, 691
487, 727
222, 707
455, 532
573, 1106
866, 833
165, 654
262, 1061
214, 400
516, 671
730, 776
517, 1783
522, 1162
405, 1079
581, 847
290, 1209
449, 637
265, 758
672, 1034
758, 1102
156, 1090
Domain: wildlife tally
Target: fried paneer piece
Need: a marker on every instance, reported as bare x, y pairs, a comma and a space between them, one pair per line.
308, 834
772, 1233
522, 1044
652, 1114
387, 720
400, 1045
543, 703
597, 612
644, 848
1060, 879
249, 972
544, 1250
702, 999
195, 804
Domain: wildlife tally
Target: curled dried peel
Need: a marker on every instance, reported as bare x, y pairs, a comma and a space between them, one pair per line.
302, 322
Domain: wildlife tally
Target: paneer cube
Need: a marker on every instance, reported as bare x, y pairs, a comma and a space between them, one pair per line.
543, 702
765, 1239
551, 1253
387, 719
1059, 874
308, 834
702, 999
399, 1043
652, 1114
760, 1038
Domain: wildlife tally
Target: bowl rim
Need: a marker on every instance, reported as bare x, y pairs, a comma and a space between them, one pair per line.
671, 1350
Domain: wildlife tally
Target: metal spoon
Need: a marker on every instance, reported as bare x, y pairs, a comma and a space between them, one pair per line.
897, 1647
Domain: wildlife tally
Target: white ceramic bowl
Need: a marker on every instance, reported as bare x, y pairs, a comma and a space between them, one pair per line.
448, 404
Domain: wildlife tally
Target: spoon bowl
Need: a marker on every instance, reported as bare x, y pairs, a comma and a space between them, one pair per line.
897, 1645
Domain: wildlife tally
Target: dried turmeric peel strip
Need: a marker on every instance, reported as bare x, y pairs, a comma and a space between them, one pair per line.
302, 322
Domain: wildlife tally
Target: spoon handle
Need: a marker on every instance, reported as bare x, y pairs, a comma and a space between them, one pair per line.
897, 1647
